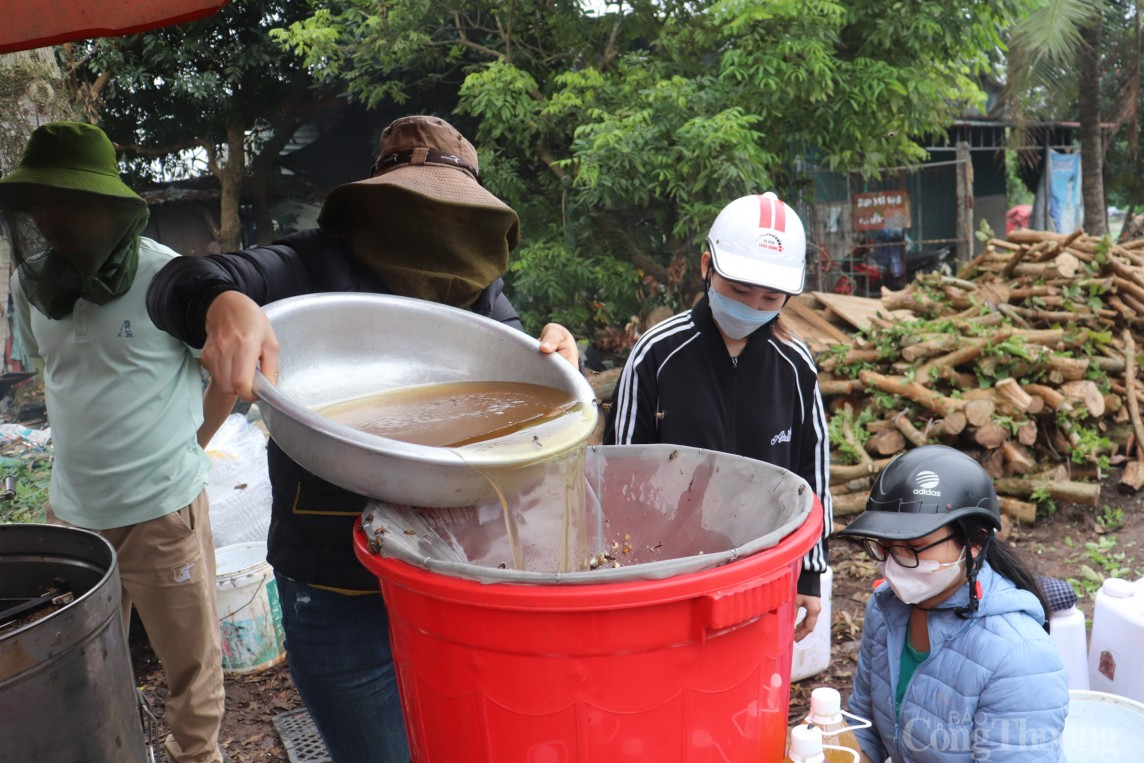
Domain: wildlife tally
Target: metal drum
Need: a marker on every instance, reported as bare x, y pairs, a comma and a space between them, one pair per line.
67, 692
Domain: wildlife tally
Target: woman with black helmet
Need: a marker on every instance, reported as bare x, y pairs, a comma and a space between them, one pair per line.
956, 662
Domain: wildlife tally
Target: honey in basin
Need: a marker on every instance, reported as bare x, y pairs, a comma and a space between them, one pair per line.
457, 414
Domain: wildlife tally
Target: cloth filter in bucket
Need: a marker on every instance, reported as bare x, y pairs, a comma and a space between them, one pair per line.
652, 511
250, 615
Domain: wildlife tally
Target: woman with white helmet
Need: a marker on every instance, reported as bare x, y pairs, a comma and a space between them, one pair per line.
727, 375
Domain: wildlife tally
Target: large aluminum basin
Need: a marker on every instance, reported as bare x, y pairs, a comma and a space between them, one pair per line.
339, 346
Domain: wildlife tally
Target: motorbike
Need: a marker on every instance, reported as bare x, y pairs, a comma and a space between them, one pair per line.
868, 268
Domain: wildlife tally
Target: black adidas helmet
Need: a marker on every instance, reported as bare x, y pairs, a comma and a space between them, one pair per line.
924, 490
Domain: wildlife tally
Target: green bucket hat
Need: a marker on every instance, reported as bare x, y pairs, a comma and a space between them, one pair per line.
69, 155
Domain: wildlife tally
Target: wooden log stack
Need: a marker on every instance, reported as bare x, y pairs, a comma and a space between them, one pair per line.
1027, 357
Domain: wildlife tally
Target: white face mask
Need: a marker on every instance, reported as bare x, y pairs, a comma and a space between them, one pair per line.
737, 320
928, 579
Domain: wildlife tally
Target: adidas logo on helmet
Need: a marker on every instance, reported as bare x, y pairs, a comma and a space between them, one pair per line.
927, 482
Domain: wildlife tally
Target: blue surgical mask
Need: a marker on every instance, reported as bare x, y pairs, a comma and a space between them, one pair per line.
737, 320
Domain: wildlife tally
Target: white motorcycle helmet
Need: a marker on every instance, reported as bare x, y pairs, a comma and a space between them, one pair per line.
759, 240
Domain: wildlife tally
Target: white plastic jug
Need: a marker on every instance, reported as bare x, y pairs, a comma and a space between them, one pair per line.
1067, 630
812, 654
1115, 660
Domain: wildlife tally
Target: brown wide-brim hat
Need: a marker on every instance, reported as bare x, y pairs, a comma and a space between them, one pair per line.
423, 155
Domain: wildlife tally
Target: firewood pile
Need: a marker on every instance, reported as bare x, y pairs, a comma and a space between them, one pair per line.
1026, 358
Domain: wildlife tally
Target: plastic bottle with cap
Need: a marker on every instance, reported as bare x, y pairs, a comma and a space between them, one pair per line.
826, 714
805, 745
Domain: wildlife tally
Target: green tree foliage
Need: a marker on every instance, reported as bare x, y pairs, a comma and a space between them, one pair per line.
220, 86
1124, 163
547, 272
619, 137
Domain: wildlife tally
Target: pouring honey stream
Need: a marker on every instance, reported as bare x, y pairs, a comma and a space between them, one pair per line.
495, 417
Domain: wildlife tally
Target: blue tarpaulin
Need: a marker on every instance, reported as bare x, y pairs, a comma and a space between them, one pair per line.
1059, 206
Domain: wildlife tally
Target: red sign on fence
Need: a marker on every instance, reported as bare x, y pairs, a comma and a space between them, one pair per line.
881, 210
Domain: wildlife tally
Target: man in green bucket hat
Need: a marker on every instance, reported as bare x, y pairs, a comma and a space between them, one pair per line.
126, 406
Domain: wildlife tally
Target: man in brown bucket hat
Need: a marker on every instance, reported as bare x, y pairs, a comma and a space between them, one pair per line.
421, 226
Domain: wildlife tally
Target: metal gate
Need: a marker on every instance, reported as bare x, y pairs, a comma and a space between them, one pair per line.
866, 233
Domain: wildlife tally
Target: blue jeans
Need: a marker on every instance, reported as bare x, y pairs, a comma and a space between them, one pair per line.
342, 666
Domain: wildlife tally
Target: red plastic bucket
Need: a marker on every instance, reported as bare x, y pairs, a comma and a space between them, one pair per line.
692, 668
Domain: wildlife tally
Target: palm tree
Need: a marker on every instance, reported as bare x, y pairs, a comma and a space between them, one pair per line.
1055, 57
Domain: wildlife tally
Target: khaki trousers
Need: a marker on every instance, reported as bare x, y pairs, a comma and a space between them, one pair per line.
167, 571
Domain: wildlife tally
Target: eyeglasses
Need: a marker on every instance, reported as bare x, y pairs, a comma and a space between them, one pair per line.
906, 556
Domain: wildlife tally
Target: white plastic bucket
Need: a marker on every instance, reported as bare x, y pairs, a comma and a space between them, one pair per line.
250, 616
1115, 661
1103, 727
1067, 631
812, 654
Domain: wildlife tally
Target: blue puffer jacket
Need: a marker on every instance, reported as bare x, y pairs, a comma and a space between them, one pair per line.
993, 687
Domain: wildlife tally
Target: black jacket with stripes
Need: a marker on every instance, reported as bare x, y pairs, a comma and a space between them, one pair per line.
681, 386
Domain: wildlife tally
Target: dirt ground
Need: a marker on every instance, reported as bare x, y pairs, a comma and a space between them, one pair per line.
1055, 543
252, 702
